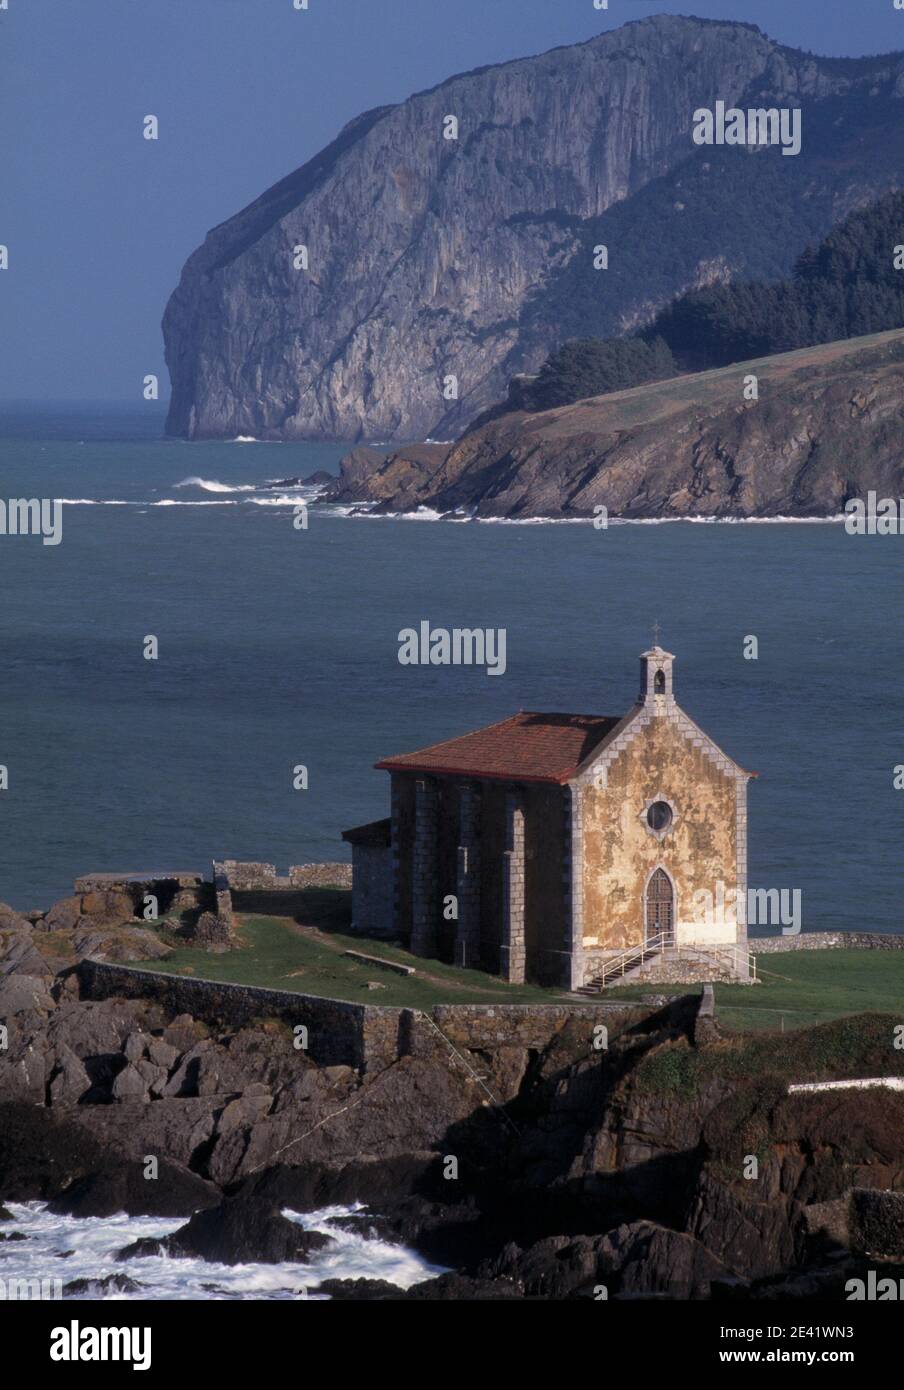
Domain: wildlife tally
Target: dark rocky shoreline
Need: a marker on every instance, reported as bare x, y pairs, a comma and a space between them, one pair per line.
824, 430
621, 1168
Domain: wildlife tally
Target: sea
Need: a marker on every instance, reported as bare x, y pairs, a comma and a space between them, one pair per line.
277, 649
43, 1252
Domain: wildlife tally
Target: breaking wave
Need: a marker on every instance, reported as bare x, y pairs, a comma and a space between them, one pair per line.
266, 495
214, 485
90, 1246
367, 511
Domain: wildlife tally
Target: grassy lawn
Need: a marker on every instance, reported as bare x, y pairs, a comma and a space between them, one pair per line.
760, 1065
306, 953
800, 988
280, 953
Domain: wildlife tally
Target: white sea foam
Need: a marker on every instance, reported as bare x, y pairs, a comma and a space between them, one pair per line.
70, 1248
368, 510
214, 485
284, 499
731, 520
661, 520
422, 514
534, 520
613, 521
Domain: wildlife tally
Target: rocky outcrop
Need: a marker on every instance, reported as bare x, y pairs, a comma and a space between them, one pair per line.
637, 1258
11, 920
167, 1190
239, 1231
627, 1169
110, 1285
20, 956
21, 993
826, 427
429, 258
96, 924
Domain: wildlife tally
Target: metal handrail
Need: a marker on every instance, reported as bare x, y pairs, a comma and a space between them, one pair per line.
631, 958
740, 954
635, 956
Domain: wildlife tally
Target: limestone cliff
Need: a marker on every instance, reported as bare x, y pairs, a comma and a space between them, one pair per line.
430, 258
827, 426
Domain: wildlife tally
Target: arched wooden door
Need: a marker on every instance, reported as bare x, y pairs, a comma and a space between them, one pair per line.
660, 908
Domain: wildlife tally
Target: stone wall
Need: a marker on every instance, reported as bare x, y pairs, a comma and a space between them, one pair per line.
676, 965
222, 895
235, 884
248, 875
257, 887
320, 875
476, 1027
175, 891
826, 941
364, 1036
339, 1033
705, 1027
686, 966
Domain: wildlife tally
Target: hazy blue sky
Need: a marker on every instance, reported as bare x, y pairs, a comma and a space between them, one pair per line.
99, 221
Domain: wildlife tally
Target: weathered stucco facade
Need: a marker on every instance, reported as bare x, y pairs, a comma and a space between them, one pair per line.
565, 848
660, 758
621, 853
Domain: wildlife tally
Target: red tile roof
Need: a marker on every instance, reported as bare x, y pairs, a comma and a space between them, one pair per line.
526, 748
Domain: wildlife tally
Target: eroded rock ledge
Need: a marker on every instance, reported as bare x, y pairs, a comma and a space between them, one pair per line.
827, 427
623, 1166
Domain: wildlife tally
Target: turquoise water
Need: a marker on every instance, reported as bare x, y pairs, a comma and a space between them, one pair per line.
278, 647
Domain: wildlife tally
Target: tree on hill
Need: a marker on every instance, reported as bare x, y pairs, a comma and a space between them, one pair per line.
844, 287
593, 367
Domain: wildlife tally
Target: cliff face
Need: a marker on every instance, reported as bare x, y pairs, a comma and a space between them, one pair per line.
827, 426
431, 257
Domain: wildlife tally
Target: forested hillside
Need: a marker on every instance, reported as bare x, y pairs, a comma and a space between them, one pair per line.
849, 285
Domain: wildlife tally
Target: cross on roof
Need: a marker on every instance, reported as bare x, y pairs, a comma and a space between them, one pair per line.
656, 631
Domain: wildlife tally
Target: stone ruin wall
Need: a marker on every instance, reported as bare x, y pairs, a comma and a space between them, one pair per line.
251, 886
365, 1036
827, 941
249, 875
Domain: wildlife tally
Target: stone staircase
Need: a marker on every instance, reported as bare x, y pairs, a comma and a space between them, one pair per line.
623, 968
660, 961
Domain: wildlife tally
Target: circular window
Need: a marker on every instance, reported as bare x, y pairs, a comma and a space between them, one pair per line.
659, 816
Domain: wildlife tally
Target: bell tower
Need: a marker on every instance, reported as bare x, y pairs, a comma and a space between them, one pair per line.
656, 680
